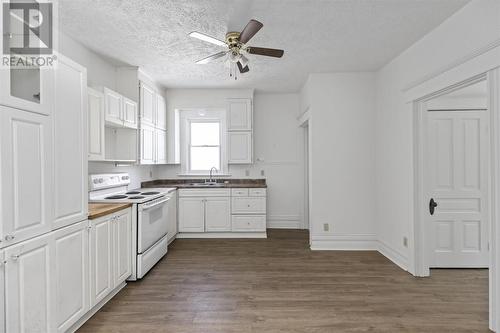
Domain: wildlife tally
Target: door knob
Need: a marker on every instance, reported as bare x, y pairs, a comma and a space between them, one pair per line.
432, 206
9, 237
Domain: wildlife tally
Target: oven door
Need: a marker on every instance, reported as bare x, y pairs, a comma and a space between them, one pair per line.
152, 222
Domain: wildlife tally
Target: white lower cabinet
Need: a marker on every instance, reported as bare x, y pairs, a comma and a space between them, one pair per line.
245, 223
101, 258
30, 286
2, 292
71, 275
217, 214
110, 253
122, 246
192, 214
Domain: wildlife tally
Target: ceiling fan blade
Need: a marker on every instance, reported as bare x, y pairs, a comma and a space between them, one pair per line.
250, 30
265, 51
206, 38
211, 57
241, 68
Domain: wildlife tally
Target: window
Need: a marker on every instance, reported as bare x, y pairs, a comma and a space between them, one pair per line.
203, 141
204, 147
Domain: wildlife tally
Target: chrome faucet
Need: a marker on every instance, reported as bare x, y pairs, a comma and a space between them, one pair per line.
211, 180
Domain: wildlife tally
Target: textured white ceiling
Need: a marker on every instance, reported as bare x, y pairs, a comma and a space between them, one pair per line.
317, 35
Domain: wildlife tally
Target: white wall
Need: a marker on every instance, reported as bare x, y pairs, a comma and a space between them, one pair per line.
278, 147
100, 73
342, 151
466, 33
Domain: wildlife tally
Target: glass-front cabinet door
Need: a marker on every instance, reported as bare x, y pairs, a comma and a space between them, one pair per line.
28, 59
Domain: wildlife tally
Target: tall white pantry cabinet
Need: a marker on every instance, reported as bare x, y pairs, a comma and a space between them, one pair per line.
44, 236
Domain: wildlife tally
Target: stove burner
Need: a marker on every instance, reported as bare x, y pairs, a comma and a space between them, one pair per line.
150, 193
116, 197
133, 192
137, 197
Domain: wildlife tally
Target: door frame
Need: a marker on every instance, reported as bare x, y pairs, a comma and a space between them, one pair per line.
305, 121
420, 264
421, 259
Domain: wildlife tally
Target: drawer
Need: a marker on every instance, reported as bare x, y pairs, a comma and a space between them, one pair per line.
209, 192
257, 192
239, 192
255, 223
248, 205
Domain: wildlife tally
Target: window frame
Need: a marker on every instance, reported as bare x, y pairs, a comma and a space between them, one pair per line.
190, 145
199, 115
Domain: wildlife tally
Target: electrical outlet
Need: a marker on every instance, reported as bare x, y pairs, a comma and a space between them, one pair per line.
247, 172
326, 227
262, 173
405, 241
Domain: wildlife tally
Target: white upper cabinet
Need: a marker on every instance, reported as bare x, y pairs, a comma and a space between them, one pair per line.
148, 104
113, 107
96, 120
26, 175
239, 112
130, 113
71, 275
161, 112
161, 146
29, 286
70, 144
147, 145
240, 147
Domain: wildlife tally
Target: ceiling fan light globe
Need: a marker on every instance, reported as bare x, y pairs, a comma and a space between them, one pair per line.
234, 57
243, 61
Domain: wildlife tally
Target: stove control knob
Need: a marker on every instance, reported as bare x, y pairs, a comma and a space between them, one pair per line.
96, 181
9, 237
125, 177
101, 180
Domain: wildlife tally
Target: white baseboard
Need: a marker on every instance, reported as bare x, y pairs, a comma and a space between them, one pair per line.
393, 255
222, 235
354, 242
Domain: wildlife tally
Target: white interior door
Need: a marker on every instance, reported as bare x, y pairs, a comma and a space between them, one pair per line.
456, 178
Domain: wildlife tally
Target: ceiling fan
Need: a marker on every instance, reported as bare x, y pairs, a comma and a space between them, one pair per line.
235, 43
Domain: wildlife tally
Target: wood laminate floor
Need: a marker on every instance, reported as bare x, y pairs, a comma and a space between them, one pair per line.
279, 285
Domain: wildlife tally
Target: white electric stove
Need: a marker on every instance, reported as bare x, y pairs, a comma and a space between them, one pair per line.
149, 216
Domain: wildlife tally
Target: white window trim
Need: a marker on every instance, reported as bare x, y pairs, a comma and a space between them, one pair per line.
187, 116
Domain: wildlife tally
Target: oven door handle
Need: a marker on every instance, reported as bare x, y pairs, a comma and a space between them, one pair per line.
154, 204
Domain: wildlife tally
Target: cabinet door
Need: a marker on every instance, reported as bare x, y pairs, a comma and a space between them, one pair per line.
70, 144
217, 214
113, 107
101, 259
147, 145
26, 175
2, 292
147, 105
172, 216
29, 286
191, 215
71, 274
239, 114
161, 112
130, 115
161, 147
122, 247
96, 125
240, 147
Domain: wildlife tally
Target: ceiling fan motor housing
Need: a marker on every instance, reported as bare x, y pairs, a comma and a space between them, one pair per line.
233, 39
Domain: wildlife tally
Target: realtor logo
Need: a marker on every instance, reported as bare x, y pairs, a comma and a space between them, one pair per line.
28, 33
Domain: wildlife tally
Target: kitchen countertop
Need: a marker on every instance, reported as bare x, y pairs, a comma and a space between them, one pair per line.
97, 210
195, 183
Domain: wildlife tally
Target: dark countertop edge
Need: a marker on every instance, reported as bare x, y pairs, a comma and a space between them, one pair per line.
185, 184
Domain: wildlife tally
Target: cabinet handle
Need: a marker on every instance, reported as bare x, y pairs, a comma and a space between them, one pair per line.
14, 257
9, 237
